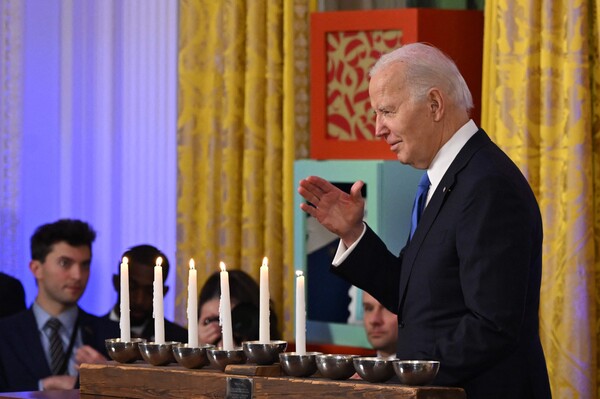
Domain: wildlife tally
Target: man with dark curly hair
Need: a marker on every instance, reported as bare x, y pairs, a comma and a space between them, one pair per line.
42, 347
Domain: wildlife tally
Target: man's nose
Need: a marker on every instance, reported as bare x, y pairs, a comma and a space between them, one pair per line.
380, 127
377, 317
76, 271
137, 296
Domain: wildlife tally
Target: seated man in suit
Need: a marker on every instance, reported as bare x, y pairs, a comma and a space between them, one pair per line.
142, 259
12, 295
381, 326
42, 347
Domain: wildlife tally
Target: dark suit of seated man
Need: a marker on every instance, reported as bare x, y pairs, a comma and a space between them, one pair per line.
42, 347
12, 295
141, 259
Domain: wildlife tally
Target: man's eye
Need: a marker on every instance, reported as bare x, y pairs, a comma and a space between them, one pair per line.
63, 262
382, 112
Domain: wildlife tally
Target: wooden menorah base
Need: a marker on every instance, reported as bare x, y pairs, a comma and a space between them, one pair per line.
141, 380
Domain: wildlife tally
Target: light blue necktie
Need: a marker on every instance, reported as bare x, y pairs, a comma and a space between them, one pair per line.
419, 203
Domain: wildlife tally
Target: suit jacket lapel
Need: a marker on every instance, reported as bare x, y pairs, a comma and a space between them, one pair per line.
87, 331
26, 330
443, 190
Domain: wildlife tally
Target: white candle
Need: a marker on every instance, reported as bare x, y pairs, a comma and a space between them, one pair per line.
263, 326
159, 314
192, 306
124, 322
300, 315
225, 310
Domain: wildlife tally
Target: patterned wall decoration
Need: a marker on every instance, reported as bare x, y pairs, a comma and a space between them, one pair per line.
344, 47
350, 56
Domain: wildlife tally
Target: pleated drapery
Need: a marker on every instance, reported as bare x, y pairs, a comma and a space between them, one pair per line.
243, 118
541, 105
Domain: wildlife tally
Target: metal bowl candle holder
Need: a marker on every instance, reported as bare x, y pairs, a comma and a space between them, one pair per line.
336, 367
374, 369
124, 351
416, 372
192, 357
220, 358
299, 365
158, 354
263, 353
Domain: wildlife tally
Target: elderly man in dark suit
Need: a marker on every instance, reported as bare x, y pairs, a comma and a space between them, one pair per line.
466, 287
42, 347
12, 295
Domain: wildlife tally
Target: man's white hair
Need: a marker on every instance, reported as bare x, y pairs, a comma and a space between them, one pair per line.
426, 67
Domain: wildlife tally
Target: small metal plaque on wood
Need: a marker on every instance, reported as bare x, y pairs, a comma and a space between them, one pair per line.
239, 388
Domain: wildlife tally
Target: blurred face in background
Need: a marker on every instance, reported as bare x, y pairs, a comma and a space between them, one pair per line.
209, 331
381, 326
62, 276
141, 280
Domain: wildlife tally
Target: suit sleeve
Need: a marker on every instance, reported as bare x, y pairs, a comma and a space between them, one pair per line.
373, 268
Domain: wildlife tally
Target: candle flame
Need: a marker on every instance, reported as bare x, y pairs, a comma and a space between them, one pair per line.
299, 273
265, 261
159, 261
222, 266
192, 264
125, 260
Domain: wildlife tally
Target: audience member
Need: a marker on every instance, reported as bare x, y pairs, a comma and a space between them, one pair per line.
12, 295
245, 297
142, 259
42, 347
381, 326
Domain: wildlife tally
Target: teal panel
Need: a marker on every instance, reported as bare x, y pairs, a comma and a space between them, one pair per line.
390, 191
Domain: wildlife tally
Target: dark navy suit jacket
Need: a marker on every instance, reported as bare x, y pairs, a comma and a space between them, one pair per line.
466, 288
12, 295
22, 359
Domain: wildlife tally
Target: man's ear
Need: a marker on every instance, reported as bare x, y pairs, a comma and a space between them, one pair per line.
36, 268
165, 289
116, 282
436, 103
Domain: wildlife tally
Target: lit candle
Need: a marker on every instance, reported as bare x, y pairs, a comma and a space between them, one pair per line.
124, 309
300, 315
159, 314
192, 306
263, 326
225, 310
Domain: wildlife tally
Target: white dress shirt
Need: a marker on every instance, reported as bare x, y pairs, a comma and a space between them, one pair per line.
437, 169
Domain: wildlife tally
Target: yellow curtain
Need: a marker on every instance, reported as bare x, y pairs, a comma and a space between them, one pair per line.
540, 104
243, 118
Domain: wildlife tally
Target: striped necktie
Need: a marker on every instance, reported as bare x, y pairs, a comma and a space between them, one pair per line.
57, 352
419, 204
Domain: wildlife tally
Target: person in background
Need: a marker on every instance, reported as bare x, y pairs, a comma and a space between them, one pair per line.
466, 285
381, 326
142, 259
42, 347
244, 297
12, 295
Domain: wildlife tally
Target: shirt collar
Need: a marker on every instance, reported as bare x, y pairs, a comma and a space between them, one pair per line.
442, 160
67, 318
